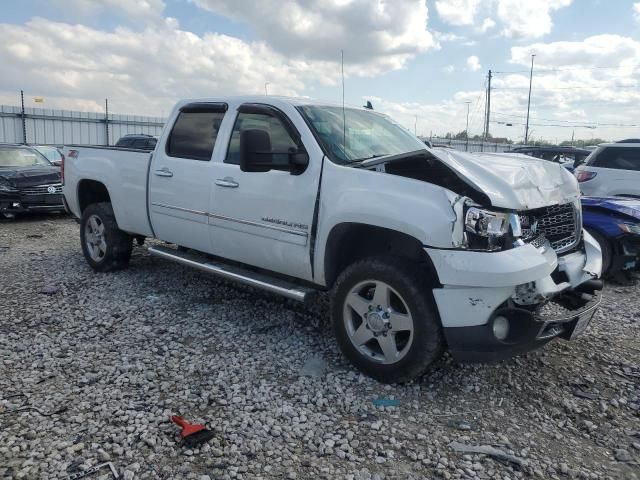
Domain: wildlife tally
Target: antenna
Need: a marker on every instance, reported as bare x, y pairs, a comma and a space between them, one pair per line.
344, 115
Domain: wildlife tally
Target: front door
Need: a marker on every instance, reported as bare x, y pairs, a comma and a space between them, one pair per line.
264, 219
180, 180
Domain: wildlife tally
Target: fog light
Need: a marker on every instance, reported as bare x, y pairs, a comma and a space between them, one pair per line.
500, 327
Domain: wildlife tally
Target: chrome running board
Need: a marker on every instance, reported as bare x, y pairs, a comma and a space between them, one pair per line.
232, 272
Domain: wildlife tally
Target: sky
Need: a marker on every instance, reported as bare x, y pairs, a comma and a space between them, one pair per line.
423, 62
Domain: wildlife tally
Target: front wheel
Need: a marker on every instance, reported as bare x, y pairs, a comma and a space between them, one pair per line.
385, 320
104, 245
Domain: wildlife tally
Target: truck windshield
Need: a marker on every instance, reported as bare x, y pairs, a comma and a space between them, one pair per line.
367, 134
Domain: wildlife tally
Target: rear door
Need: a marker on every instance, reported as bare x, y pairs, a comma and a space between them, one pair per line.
181, 179
264, 218
617, 169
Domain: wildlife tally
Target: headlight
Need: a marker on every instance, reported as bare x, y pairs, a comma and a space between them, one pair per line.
487, 230
633, 228
6, 186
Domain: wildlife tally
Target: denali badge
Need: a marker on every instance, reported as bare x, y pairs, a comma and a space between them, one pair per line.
51, 189
277, 221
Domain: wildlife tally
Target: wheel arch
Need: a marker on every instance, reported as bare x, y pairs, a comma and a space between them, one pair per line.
349, 242
91, 191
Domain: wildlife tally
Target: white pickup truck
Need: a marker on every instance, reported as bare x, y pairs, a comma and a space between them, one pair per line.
422, 249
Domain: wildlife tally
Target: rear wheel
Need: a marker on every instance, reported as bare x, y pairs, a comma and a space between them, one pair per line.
607, 251
104, 245
384, 319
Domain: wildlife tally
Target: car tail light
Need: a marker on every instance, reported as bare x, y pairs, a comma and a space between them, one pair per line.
585, 175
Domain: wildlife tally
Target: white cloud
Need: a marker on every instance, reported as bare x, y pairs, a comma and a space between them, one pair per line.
636, 11
457, 12
449, 69
487, 24
473, 63
378, 35
149, 9
526, 18
143, 71
518, 18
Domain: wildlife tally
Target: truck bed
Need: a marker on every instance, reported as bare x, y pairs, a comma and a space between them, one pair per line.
124, 171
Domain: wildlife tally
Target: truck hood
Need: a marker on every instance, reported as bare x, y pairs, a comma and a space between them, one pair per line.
625, 206
512, 181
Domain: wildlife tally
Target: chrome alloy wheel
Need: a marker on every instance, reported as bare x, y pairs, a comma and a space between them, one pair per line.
94, 238
378, 322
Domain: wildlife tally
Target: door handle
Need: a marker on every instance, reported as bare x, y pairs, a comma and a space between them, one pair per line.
163, 172
227, 182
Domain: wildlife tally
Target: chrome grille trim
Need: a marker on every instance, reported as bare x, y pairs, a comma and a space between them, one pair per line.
42, 189
561, 225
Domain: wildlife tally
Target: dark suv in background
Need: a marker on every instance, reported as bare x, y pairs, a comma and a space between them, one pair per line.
139, 141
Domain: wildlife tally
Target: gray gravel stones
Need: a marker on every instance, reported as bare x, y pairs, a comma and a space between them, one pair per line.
126, 350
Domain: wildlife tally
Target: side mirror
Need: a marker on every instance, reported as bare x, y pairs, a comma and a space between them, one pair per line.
256, 154
57, 163
255, 151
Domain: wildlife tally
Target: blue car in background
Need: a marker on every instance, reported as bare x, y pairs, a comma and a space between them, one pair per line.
615, 223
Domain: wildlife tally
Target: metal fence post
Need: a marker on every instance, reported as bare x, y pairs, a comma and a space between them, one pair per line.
106, 120
24, 122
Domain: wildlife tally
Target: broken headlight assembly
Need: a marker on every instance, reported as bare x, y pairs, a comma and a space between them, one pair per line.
490, 231
5, 186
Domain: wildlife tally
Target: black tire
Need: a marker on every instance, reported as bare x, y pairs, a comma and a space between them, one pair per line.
607, 251
410, 282
118, 243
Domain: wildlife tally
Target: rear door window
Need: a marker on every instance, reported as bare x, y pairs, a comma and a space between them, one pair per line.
618, 158
194, 134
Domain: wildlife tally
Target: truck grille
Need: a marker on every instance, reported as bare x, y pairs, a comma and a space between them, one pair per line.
43, 189
561, 225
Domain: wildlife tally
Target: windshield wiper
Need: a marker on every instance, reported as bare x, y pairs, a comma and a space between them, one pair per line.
378, 159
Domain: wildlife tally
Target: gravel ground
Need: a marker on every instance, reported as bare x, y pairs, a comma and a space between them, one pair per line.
121, 352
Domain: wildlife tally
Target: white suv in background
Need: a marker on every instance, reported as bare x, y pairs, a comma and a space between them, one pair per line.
613, 169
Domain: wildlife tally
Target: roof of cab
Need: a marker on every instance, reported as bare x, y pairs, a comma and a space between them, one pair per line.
274, 100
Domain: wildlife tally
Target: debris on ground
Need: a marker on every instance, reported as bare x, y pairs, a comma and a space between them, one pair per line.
488, 450
314, 366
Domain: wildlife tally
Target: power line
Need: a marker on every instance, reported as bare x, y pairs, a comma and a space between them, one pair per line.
574, 123
622, 87
543, 70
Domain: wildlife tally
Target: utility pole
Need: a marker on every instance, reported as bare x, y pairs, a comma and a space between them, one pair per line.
266, 91
106, 120
488, 116
526, 128
467, 129
24, 121
572, 134
415, 127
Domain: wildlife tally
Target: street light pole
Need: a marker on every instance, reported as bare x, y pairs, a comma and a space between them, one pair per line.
467, 129
266, 92
526, 129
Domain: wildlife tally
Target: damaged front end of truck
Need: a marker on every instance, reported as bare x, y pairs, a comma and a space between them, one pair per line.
521, 270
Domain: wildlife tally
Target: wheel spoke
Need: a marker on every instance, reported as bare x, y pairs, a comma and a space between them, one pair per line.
103, 246
381, 295
400, 322
100, 228
94, 224
388, 346
359, 304
362, 335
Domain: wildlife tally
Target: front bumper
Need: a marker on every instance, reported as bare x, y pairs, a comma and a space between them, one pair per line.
17, 203
477, 287
626, 254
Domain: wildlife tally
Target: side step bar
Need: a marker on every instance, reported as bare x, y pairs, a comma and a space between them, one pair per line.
237, 274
